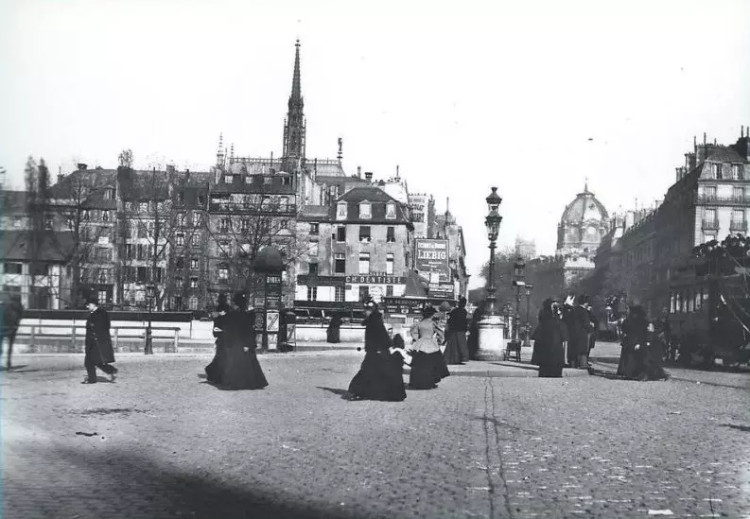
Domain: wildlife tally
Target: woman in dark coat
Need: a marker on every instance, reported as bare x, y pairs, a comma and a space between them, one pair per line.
241, 369
333, 333
550, 333
640, 358
99, 352
375, 380
214, 369
456, 349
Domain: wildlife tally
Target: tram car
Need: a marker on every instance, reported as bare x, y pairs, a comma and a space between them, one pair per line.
709, 313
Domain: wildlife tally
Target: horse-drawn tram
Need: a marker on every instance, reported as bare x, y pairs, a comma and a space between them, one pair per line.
709, 310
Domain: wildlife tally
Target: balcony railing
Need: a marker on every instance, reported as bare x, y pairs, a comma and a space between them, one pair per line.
738, 226
743, 199
710, 225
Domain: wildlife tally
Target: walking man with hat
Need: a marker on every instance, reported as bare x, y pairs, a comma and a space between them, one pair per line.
99, 352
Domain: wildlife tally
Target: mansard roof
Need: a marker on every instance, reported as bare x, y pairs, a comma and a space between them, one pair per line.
51, 246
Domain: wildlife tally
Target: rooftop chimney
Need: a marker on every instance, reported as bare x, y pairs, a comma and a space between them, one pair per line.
368, 176
82, 166
341, 151
359, 171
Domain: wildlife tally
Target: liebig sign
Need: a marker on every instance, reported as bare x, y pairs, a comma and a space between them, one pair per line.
432, 259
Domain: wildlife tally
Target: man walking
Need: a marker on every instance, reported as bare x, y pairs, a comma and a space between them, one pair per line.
99, 352
12, 315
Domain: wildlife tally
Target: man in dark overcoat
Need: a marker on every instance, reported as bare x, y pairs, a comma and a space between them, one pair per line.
99, 352
579, 325
12, 315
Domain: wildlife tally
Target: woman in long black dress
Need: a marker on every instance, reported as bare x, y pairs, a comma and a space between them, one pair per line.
241, 369
375, 380
214, 369
641, 357
549, 336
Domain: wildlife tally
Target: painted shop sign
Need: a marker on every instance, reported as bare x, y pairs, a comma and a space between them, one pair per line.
376, 280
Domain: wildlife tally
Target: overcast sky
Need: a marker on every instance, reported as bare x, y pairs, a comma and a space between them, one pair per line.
532, 97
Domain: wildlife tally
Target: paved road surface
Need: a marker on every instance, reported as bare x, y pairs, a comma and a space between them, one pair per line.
160, 442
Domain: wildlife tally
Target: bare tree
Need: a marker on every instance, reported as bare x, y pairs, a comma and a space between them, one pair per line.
247, 225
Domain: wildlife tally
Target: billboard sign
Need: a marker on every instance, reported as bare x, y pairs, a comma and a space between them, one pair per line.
431, 260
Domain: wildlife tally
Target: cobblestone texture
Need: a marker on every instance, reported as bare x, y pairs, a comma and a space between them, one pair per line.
167, 444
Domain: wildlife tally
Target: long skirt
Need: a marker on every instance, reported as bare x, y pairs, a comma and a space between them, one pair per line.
333, 334
456, 349
553, 370
242, 370
427, 369
214, 368
379, 378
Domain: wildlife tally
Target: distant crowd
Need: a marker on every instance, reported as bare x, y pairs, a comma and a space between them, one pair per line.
566, 334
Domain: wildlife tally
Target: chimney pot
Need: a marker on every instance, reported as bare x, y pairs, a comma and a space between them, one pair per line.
359, 171
368, 176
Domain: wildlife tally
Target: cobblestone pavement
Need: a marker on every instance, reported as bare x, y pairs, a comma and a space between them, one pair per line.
160, 442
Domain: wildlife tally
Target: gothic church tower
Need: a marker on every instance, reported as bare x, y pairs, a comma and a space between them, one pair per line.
293, 157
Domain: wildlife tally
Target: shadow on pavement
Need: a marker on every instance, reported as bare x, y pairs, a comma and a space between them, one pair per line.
743, 428
142, 487
343, 393
15, 368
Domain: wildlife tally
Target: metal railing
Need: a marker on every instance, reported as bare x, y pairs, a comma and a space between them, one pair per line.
37, 333
732, 199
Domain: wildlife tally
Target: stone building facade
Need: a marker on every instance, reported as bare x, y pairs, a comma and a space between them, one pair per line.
359, 246
709, 200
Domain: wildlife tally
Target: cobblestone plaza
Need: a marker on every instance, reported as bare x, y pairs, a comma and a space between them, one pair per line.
160, 442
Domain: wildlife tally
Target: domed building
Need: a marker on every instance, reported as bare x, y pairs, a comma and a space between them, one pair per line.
583, 225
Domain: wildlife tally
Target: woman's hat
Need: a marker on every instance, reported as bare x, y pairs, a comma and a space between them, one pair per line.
370, 304
445, 306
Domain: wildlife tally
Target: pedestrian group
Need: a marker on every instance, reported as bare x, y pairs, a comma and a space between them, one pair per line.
438, 340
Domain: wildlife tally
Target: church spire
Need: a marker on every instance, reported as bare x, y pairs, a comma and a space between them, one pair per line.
294, 126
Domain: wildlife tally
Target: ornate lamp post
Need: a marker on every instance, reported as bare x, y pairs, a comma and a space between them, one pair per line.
519, 281
491, 341
492, 222
527, 336
150, 298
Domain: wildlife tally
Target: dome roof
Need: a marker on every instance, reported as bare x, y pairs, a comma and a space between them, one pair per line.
585, 208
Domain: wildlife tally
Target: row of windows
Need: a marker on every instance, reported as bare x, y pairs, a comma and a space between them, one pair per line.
725, 171
225, 225
180, 263
257, 179
35, 269
689, 300
365, 211
365, 233
179, 282
339, 293
339, 264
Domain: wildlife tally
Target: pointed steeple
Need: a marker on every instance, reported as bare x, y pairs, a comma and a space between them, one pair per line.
220, 152
296, 88
294, 126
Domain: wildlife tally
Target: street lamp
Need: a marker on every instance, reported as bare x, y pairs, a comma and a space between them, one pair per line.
527, 338
491, 340
492, 222
519, 281
150, 296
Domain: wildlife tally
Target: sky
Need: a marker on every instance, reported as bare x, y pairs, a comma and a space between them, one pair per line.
536, 97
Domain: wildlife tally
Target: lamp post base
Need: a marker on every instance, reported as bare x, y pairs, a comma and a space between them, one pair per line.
491, 339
